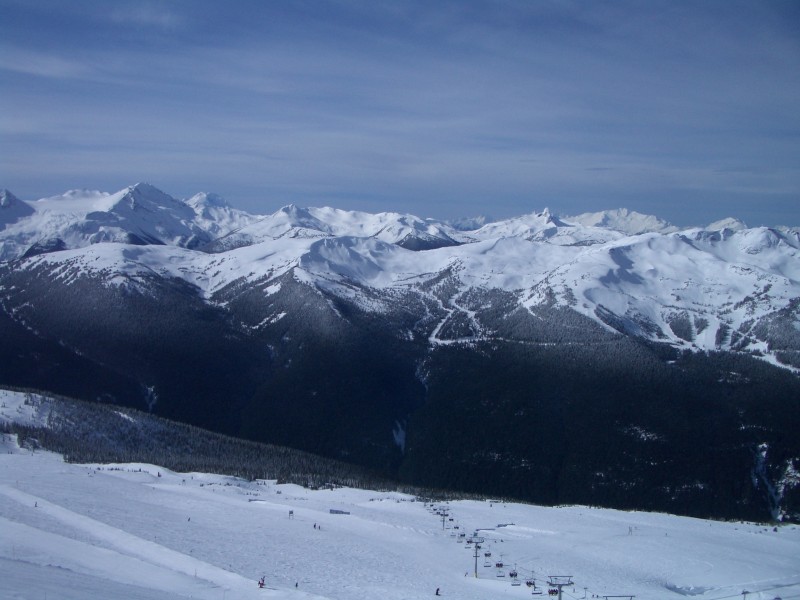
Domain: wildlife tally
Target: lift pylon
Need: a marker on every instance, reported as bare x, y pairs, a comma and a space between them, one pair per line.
558, 582
476, 546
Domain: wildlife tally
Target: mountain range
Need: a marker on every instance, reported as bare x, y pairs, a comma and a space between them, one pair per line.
607, 358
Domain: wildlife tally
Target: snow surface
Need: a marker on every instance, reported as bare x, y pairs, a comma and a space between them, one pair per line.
137, 531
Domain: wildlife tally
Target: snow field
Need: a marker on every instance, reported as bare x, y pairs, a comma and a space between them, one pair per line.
140, 531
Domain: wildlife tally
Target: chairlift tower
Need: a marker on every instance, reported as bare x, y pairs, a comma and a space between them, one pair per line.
476, 546
559, 581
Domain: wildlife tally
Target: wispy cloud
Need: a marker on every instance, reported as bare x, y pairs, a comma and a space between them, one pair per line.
148, 15
42, 64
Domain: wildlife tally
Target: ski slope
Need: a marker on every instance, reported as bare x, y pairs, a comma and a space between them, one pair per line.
141, 532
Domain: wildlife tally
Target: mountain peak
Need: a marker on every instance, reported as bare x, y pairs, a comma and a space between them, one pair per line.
469, 223
623, 220
147, 197
730, 223
144, 188
12, 208
207, 199
300, 217
7, 199
552, 219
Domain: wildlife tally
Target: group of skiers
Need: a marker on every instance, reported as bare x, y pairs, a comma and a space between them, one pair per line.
261, 582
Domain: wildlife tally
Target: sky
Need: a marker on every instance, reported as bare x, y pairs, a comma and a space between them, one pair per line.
686, 110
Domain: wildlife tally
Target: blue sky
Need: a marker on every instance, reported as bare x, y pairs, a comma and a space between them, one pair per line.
686, 110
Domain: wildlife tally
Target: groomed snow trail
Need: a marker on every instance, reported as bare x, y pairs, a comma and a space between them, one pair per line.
141, 532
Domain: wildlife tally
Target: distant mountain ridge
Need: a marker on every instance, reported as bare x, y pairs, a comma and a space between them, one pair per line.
624, 221
143, 211
348, 334
609, 266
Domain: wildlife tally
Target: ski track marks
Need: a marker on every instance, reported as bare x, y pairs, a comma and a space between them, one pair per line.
148, 561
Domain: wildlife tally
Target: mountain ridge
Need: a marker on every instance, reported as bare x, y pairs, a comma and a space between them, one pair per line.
330, 331
721, 279
72, 203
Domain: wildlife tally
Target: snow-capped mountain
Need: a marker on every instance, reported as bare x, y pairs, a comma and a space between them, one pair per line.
545, 227
624, 221
702, 288
12, 209
215, 216
376, 315
139, 215
291, 221
470, 223
729, 223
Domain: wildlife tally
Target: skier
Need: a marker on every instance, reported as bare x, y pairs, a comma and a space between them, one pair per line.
261, 582
437, 592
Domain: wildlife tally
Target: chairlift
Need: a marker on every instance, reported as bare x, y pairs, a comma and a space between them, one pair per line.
513, 573
531, 583
501, 573
487, 563
499, 564
487, 554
